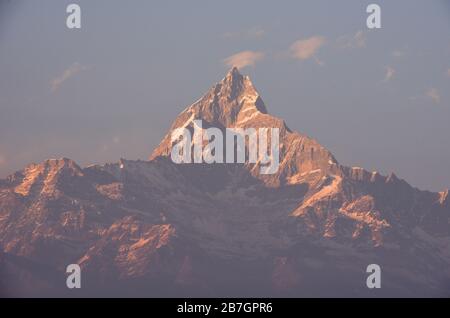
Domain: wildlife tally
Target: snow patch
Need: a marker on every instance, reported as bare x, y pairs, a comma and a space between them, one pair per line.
246, 119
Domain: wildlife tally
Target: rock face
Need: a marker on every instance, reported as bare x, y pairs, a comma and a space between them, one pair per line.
156, 228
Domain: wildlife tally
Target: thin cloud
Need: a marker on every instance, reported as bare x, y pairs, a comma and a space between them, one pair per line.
433, 93
355, 41
253, 33
448, 72
390, 73
2, 160
243, 59
108, 145
398, 53
307, 48
71, 71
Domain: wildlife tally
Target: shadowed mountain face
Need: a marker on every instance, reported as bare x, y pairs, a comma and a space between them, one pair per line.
156, 228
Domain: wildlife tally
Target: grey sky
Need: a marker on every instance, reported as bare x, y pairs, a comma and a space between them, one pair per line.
378, 99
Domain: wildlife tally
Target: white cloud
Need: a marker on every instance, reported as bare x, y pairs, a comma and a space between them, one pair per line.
433, 93
390, 73
243, 59
71, 71
355, 41
307, 48
254, 33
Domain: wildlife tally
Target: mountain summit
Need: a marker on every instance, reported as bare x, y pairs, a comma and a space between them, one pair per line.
235, 103
156, 228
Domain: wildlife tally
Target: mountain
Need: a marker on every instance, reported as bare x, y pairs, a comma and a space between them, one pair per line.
156, 228
235, 103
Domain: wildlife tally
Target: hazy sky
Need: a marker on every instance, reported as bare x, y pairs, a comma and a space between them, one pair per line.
378, 99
